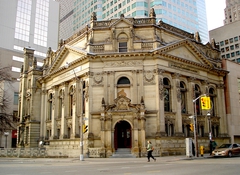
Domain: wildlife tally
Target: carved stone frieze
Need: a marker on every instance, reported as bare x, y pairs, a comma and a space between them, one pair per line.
123, 63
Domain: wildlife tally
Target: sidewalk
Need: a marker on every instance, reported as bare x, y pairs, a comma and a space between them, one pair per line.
103, 160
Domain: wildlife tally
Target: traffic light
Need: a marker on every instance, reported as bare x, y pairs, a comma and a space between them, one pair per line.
205, 103
85, 128
191, 127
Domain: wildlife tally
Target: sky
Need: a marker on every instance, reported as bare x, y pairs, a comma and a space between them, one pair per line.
215, 13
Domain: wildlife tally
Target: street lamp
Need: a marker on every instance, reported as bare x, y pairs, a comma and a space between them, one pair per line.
210, 131
209, 125
195, 124
81, 117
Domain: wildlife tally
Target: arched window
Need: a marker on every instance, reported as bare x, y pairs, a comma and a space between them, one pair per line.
83, 96
183, 91
122, 42
60, 103
167, 95
197, 93
169, 129
68, 132
71, 93
212, 99
50, 102
123, 80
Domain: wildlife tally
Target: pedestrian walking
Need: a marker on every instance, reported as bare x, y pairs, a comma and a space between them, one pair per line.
150, 149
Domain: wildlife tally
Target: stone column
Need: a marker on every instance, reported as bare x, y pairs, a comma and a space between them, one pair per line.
44, 103
176, 99
108, 134
65, 112
110, 82
160, 103
140, 85
134, 89
75, 117
135, 141
190, 95
55, 112
221, 110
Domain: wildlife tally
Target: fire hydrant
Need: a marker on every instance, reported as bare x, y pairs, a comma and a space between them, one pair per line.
202, 150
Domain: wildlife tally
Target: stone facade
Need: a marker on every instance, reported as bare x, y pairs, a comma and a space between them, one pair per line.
129, 80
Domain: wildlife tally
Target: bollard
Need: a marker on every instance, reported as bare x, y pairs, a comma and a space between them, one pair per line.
202, 150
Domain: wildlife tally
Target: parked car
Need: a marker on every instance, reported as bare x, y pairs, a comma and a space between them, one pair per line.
227, 150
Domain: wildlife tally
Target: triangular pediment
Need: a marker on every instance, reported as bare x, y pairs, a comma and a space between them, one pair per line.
187, 51
67, 54
121, 23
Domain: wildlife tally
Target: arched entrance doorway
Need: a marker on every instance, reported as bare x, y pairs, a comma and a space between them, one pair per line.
122, 135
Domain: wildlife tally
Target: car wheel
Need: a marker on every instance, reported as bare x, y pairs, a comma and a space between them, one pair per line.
229, 154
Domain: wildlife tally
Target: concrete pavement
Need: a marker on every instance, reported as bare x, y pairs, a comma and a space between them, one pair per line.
104, 160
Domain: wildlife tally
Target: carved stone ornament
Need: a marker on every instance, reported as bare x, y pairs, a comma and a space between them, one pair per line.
161, 89
149, 76
178, 91
98, 78
122, 103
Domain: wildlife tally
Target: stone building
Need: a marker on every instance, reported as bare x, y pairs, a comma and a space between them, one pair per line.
128, 80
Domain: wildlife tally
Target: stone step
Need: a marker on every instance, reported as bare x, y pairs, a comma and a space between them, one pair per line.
123, 153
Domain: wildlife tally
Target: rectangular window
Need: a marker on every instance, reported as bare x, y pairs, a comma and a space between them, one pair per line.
231, 40
133, 5
122, 47
232, 47
15, 99
221, 43
235, 38
233, 54
227, 49
16, 69
238, 52
226, 41
228, 55
15, 58
236, 46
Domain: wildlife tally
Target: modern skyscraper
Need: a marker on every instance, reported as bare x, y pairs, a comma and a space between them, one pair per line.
232, 11
228, 36
24, 23
189, 15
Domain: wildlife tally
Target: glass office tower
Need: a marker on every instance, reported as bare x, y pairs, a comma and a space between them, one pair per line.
189, 15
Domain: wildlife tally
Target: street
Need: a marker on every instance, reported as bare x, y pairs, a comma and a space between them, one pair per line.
172, 165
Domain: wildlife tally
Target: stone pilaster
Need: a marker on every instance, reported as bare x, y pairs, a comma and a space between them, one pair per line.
65, 112
160, 103
176, 99
221, 110
55, 113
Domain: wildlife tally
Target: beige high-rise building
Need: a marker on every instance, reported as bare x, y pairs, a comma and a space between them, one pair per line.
127, 80
227, 37
232, 11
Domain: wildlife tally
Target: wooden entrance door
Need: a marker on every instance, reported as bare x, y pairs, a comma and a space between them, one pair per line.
122, 135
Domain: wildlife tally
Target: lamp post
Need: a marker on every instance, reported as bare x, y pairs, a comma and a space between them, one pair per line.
81, 117
210, 131
6, 135
209, 125
195, 124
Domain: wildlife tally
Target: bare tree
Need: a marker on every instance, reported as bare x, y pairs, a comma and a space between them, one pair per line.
6, 119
